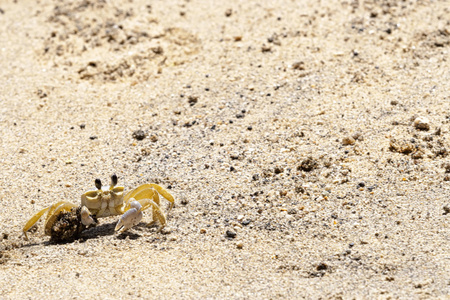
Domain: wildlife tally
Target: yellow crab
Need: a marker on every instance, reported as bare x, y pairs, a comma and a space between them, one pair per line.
104, 201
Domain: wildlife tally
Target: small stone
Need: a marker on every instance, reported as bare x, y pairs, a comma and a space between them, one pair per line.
153, 138
446, 166
246, 222
322, 267
158, 50
278, 170
234, 156
358, 136
422, 123
292, 211
192, 100
308, 164
93, 137
240, 218
228, 12
203, 231
299, 189
348, 140
230, 234
139, 135
167, 230
446, 209
300, 65
265, 48
401, 146
240, 245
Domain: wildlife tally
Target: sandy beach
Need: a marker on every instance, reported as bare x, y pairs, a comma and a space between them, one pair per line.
306, 144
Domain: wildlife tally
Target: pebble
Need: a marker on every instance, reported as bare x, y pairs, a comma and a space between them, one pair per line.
246, 222
192, 100
153, 138
139, 135
348, 140
230, 234
240, 245
203, 231
446, 209
422, 123
308, 164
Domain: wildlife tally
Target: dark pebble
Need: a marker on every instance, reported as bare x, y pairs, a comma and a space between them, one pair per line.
308, 164
292, 211
139, 135
246, 222
322, 267
230, 234
94, 137
192, 100
278, 170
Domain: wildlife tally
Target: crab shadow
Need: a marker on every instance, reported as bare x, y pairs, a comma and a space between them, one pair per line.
96, 232
108, 230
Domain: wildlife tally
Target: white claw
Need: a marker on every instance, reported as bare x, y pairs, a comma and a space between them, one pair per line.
130, 218
86, 218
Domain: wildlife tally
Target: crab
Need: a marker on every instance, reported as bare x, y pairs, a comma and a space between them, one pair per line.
104, 201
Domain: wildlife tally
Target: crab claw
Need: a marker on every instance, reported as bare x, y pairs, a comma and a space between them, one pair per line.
130, 218
86, 218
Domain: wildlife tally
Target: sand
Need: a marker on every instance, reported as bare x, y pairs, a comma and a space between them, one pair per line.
305, 142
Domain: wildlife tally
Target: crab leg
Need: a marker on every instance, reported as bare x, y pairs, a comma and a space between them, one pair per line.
133, 214
151, 186
38, 215
33, 221
157, 212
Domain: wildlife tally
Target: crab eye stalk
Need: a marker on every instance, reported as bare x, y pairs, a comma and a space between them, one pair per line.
98, 184
114, 180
